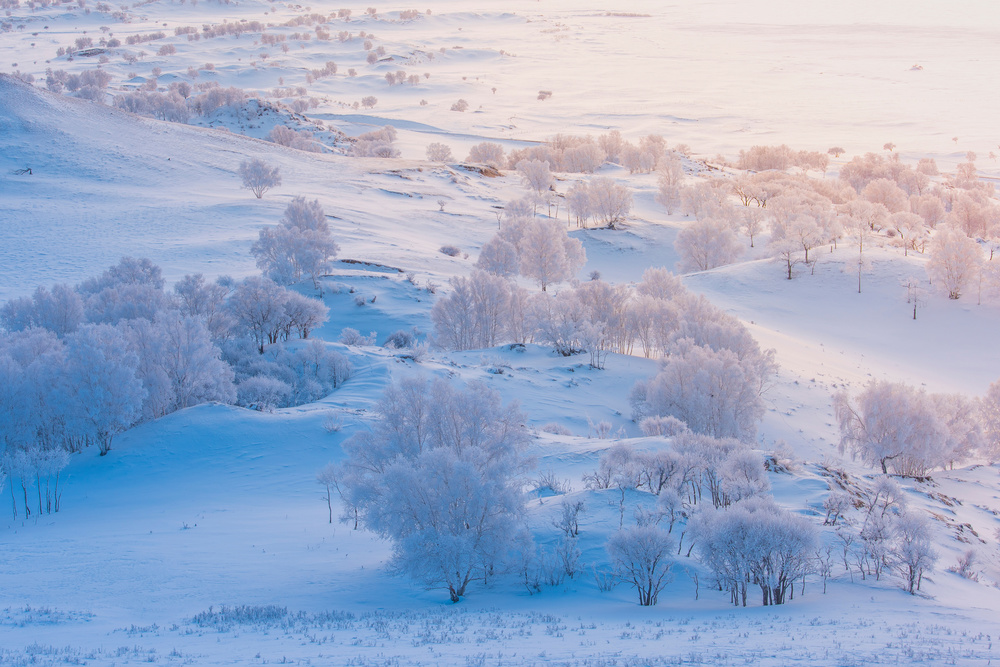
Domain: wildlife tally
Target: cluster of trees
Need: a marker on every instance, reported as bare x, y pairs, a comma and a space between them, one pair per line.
741, 535
537, 248
874, 198
583, 154
910, 432
181, 100
377, 143
714, 373
877, 534
88, 362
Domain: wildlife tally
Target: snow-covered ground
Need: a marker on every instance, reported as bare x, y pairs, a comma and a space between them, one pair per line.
202, 537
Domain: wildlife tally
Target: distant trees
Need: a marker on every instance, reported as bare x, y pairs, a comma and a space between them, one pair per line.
438, 475
300, 246
258, 177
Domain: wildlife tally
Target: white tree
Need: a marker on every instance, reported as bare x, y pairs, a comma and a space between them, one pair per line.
954, 260
535, 175
755, 542
912, 549
438, 474
301, 245
59, 310
579, 204
499, 257
472, 316
106, 393
706, 244
912, 230
488, 153
712, 391
610, 202
438, 152
258, 177
891, 423
548, 254
671, 173
257, 307
642, 555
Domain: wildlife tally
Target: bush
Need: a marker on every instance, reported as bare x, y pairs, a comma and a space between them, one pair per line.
450, 250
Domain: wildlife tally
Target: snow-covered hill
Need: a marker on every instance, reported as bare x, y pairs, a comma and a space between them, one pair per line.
203, 538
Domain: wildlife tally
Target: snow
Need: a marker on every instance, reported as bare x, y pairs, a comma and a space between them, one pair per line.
216, 505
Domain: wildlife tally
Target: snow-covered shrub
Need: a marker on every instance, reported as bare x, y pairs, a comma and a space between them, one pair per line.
263, 393
400, 339
349, 336
377, 143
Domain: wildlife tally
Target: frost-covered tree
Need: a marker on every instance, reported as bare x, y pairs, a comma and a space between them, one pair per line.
199, 298
499, 257
706, 244
473, 315
535, 175
438, 474
610, 202
101, 377
668, 183
300, 246
754, 542
258, 176
954, 260
713, 391
131, 289
912, 549
60, 310
488, 153
438, 152
891, 424
548, 254
642, 556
